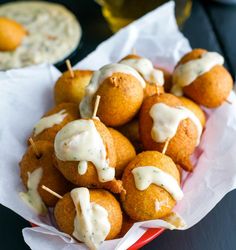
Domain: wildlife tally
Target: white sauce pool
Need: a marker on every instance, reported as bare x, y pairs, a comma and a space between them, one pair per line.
186, 73
80, 141
166, 120
91, 224
53, 33
86, 109
32, 197
49, 121
144, 176
146, 69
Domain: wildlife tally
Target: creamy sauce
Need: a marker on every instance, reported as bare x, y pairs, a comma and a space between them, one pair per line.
146, 69
49, 121
91, 224
82, 167
86, 109
166, 120
53, 33
186, 73
144, 176
32, 197
80, 141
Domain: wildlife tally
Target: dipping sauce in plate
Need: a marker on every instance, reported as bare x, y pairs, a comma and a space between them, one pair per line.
53, 33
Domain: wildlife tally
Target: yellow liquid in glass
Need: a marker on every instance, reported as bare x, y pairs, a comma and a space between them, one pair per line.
119, 13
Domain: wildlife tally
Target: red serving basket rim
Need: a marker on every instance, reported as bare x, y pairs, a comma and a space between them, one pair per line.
147, 237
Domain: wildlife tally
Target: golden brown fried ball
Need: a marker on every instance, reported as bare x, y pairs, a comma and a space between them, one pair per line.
121, 97
140, 205
51, 177
195, 108
49, 134
72, 89
65, 211
150, 89
182, 145
11, 34
210, 89
125, 151
90, 179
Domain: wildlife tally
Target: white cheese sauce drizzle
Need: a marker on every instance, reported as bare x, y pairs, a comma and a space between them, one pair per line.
144, 176
186, 73
86, 109
146, 69
49, 121
166, 120
32, 197
80, 141
91, 224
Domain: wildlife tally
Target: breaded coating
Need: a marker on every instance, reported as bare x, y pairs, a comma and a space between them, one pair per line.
182, 145
141, 205
90, 179
210, 89
49, 134
125, 151
51, 177
195, 108
121, 97
68, 89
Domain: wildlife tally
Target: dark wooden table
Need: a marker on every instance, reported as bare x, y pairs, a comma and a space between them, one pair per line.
211, 26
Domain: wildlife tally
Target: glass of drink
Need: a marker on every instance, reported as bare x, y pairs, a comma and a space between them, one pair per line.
119, 13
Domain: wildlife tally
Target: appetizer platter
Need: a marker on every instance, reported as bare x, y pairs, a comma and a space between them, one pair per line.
126, 145
98, 183
34, 32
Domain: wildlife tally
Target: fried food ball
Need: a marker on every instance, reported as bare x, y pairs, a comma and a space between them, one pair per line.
90, 179
65, 212
196, 109
51, 177
125, 151
150, 89
48, 134
71, 89
182, 145
141, 205
121, 97
11, 34
131, 131
210, 89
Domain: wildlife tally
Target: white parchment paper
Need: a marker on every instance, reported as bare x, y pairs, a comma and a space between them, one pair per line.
26, 94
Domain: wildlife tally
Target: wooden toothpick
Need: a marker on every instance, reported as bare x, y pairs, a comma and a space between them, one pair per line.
34, 147
229, 102
158, 90
51, 192
96, 105
165, 146
134, 52
68, 64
